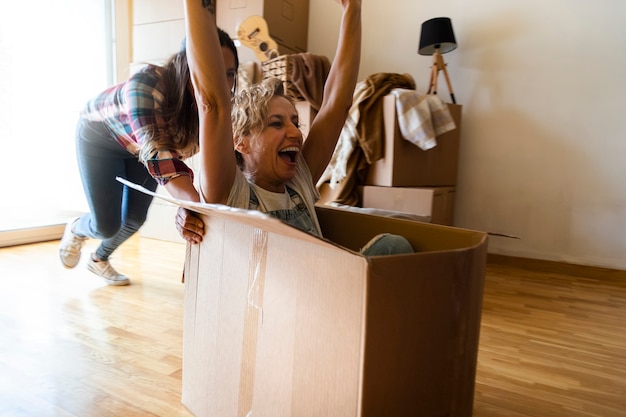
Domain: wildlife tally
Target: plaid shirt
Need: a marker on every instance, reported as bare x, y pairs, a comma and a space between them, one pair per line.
127, 109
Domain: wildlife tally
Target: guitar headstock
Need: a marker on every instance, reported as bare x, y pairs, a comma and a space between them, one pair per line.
254, 34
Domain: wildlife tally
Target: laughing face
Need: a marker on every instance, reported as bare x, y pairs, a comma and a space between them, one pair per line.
271, 157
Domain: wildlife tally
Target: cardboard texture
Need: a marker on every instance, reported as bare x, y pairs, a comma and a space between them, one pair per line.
436, 202
406, 165
280, 323
288, 24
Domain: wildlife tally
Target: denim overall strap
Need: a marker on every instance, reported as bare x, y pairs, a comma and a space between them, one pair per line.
298, 216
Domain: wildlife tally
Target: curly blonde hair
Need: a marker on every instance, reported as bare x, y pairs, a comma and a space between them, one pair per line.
249, 111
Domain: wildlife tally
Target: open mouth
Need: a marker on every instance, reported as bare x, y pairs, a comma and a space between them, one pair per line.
289, 154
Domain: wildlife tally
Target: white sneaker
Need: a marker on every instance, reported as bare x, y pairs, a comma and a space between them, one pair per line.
107, 272
71, 245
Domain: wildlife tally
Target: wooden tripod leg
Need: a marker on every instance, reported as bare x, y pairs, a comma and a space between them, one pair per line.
445, 73
430, 81
434, 74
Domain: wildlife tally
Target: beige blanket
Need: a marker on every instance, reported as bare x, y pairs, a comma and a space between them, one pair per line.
422, 117
308, 74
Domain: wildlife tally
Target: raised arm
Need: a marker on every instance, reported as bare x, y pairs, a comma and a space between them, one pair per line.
338, 91
206, 64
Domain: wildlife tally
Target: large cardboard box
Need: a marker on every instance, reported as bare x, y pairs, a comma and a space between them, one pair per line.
281, 323
435, 202
278, 322
406, 165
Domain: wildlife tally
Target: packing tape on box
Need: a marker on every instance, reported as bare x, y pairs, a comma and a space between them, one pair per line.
253, 318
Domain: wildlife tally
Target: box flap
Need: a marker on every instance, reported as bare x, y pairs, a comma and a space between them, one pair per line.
249, 217
352, 229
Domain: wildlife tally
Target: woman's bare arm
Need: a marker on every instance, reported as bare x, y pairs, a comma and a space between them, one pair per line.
206, 64
338, 91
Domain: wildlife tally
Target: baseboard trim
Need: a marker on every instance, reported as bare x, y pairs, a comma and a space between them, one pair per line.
31, 235
585, 271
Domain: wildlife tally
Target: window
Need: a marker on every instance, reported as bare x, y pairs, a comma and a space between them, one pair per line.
54, 56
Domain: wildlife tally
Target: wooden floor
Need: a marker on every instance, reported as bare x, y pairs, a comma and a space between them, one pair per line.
553, 339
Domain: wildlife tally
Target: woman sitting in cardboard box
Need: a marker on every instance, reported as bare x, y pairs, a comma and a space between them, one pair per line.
272, 169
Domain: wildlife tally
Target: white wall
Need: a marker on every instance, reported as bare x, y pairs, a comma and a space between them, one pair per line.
158, 29
542, 84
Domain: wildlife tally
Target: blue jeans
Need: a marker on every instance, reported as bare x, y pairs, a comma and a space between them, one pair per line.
116, 211
387, 244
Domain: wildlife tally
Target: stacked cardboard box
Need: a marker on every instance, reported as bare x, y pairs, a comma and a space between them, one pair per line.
434, 202
406, 165
417, 181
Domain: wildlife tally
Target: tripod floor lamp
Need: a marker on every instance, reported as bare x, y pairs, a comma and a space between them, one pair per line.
437, 38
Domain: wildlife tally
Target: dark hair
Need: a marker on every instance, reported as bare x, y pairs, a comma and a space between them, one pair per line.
225, 40
179, 106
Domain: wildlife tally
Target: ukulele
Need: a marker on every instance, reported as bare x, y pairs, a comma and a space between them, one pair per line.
253, 33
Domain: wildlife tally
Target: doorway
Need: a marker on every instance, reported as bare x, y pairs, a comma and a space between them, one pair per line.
54, 56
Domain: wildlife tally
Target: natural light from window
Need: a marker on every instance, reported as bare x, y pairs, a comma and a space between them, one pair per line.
53, 58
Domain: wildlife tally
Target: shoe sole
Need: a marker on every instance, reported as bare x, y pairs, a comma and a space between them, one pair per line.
65, 232
108, 281
67, 266
116, 283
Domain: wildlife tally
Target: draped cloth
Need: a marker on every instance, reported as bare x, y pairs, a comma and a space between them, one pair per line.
361, 141
422, 117
308, 75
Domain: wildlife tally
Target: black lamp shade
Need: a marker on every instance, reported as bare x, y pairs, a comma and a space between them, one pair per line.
437, 33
